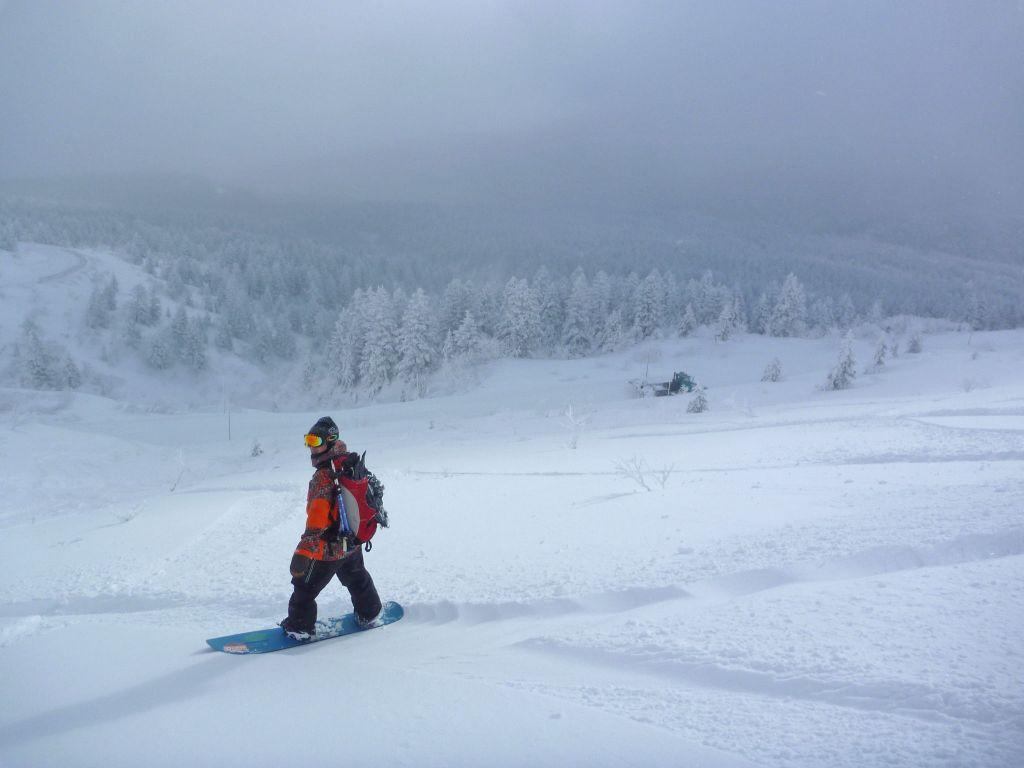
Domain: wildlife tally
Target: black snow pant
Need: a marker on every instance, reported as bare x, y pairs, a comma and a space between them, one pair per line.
318, 574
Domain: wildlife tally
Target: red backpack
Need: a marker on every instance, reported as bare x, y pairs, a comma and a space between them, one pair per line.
360, 500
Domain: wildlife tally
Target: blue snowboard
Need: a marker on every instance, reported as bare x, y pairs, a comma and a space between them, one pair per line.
267, 640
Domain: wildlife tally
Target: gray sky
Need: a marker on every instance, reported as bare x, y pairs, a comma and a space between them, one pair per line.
769, 103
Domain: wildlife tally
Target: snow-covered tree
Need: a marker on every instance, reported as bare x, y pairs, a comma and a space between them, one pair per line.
70, 375
110, 291
194, 349
520, 327
614, 336
550, 309
689, 322
97, 313
456, 301
881, 348
772, 371
345, 347
601, 292
131, 333
179, 332
160, 355
789, 316
726, 325
649, 305
699, 402
467, 340
914, 345
416, 345
576, 334
380, 351
845, 370
38, 363
762, 319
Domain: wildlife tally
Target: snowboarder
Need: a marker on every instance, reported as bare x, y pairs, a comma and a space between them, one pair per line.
323, 552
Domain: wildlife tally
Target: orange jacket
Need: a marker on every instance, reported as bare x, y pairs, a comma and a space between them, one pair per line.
321, 510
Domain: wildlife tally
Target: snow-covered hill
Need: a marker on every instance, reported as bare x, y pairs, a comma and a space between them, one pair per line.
794, 578
52, 288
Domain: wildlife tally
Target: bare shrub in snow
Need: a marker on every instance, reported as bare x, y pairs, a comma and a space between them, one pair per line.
661, 476
574, 421
914, 345
257, 449
772, 371
633, 469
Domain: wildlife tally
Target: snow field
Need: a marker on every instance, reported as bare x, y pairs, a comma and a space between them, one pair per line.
795, 578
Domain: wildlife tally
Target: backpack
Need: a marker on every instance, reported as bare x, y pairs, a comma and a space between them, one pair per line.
360, 501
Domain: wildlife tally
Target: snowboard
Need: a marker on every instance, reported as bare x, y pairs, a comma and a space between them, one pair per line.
267, 640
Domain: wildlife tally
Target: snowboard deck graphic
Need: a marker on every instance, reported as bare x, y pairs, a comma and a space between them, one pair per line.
267, 640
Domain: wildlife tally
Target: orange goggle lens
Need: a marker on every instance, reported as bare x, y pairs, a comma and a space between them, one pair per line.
314, 441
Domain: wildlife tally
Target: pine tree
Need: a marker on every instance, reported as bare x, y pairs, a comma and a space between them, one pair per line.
416, 347
880, 352
345, 348
726, 322
110, 292
138, 310
576, 334
689, 322
706, 299
467, 341
131, 334
194, 349
457, 299
520, 327
845, 370
377, 365
789, 316
765, 307
160, 355
156, 309
649, 303
600, 305
846, 312
222, 338
550, 309
614, 337
71, 376
179, 335
976, 312
97, 313
39, 368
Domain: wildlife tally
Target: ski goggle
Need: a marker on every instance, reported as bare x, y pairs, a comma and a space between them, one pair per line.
314, 441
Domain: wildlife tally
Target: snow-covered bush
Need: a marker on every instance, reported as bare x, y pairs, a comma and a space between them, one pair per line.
772, 371
845, 371
699, 402
914, 345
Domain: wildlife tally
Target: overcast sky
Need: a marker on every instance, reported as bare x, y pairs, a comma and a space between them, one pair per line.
788, 102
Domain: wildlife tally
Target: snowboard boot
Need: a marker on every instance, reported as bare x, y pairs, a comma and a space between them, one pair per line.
373, 621
294, 632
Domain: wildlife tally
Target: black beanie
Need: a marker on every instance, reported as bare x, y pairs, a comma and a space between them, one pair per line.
325, 428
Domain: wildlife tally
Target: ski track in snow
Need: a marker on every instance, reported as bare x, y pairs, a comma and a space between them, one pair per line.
816, 584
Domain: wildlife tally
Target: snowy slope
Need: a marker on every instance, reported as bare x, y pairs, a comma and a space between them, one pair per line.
808, 578
51, 286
